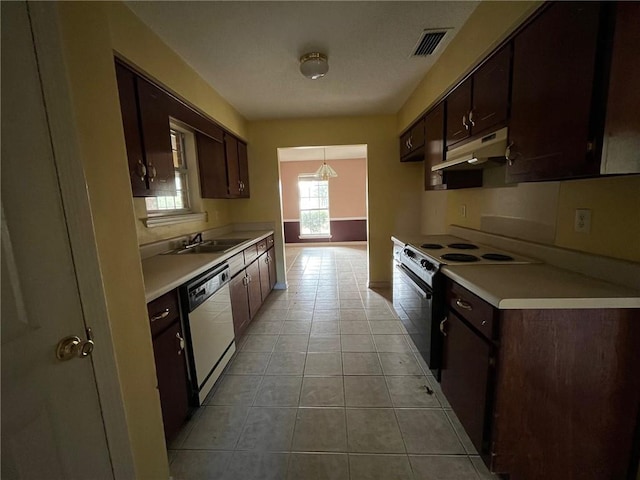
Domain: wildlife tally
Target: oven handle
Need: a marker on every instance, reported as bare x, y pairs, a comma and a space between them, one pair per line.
412, 283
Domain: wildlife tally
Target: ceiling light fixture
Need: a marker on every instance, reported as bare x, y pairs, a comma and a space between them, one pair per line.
314, 65
325, 172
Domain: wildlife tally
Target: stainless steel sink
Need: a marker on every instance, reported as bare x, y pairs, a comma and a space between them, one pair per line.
209, 246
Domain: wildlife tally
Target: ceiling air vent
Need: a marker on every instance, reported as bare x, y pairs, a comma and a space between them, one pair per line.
428, 42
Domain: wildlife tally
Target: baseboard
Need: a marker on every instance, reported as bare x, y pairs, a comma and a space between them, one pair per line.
379, 284
325, 244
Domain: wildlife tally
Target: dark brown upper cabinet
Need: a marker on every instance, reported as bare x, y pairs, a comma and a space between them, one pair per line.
412, 143
145, 121
434, 153
434, 147
237, 167
553, 89
212, 167
481, 102
146, 111
131, 124
156, 140
621, 143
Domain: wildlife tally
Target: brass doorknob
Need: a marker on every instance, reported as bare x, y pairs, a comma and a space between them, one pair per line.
73, 346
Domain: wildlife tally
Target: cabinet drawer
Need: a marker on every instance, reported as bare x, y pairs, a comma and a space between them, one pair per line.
250, 254
261, 246
163, 311
270, 242
236, 264
472, 308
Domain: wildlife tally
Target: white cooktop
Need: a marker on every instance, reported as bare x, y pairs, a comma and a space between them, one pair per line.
435, 246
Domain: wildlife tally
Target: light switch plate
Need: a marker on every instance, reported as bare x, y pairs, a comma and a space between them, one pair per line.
582, 221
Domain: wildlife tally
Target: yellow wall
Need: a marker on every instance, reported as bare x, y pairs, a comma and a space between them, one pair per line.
542, 212
92, 32
89, 58
615, 216
393, 188
132, 39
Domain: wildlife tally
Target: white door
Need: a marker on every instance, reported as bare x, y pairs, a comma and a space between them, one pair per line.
52, 426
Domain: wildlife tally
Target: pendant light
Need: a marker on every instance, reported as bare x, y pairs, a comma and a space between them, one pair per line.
325, 172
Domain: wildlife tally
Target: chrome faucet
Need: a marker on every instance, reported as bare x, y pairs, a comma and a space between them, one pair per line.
197, 239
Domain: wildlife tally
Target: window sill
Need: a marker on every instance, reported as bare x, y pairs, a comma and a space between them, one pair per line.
164, 220
302, 237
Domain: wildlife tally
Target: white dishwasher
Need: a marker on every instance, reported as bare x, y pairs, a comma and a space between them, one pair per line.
209, 328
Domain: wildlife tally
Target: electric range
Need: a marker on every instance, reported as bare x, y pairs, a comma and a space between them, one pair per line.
418, 285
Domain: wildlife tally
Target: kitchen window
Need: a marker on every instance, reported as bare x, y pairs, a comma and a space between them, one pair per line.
314, 207
178, 208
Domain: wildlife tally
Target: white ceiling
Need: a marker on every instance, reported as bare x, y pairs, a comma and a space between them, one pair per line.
249, 51
333, 153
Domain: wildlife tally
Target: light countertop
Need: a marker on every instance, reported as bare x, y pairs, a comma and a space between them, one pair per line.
534, 286
163, 273
540, 286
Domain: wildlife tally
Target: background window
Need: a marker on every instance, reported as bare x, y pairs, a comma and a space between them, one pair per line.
179, 202
314, 206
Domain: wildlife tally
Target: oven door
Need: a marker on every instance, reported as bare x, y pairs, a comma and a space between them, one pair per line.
418, 308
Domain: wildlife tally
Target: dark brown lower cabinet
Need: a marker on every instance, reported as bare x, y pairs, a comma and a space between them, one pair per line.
545, 394
267, 272
246, 296
239, 304
465, 377
253, 287
171, 371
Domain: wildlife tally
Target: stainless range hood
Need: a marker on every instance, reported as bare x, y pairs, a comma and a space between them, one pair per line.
475, 153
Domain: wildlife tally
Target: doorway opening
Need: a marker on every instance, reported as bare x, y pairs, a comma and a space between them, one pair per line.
323, 207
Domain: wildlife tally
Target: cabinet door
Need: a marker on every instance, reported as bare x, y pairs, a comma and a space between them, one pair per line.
433, 147
255, 292
621, 147
233, 174
554, 61
458, 107
130, 123
491, 93
212, 167
171, 371
243, 169
265, 287
239, 304
154, 119
272, 268
417, 136
465, 377
404, 144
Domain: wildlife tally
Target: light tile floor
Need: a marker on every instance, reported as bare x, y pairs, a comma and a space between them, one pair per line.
326, 385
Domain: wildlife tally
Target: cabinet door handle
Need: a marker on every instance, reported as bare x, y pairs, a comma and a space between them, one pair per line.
462, 304
511, 154
442, 330
142, 170
152, 172
464, 122
473, 124
161, 315
180, 343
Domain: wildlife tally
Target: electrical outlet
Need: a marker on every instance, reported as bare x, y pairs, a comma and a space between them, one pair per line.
463, 211
582, 221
